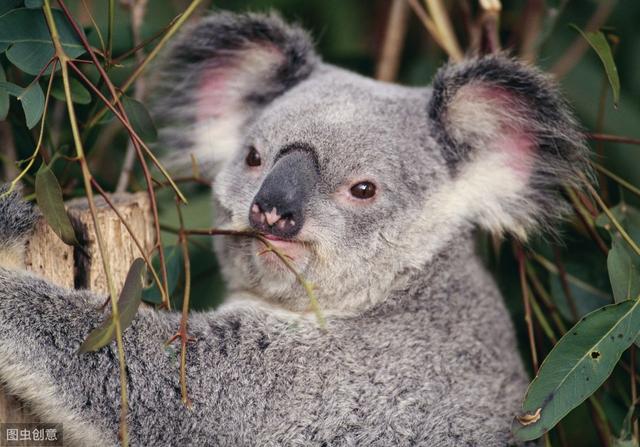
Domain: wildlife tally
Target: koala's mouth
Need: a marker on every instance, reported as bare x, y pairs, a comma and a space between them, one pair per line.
293, 249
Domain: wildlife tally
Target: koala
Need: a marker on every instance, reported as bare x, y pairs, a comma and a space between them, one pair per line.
373, 191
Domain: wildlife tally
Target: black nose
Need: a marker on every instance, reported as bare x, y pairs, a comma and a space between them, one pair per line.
278, 221
278, 208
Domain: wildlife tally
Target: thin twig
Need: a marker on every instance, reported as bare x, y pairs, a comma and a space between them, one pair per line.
445, 30
634, 392
95, 26
588, 222
32, 157
546, 298
622, 182
527, 306
138, 10
110, 29
551, 267
182, 333
86, 175
602, 102
600, 418
152, 55
542, 320
428, 23
489, 24
562, 274
530, 29
134, 136
395, 33
8, 150
613, 138
121, 116
136, 241
144, 43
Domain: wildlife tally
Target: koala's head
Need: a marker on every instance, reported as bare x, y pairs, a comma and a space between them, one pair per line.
358, 181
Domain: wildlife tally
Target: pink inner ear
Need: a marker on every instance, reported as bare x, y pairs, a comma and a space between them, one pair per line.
513, 137
520, 151
221, 89
213, 94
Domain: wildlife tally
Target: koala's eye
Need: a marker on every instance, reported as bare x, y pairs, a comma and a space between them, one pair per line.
253, 158
363, 190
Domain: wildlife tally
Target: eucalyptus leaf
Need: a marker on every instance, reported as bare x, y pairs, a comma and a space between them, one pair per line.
131, 294
4, 96
8, 5
25, 33
623, 263
31, 98
30, 57
174, 261
99, 337
576, 367
49, 199
624, 270
627, 216
626, 433
33, 3
79, 94
128, 304
599, 43
140, 119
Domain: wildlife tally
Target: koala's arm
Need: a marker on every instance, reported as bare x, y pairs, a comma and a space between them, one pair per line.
43, 325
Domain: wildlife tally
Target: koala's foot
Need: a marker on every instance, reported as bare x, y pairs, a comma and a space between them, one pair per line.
17, 218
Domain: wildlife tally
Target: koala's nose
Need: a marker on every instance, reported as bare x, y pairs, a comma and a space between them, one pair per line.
278, 208
282, 222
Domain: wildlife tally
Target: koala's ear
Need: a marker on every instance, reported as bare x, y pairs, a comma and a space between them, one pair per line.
220, 73
509, 140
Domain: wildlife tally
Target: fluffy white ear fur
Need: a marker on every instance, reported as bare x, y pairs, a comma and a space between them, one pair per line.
510, 143
221, 110
497, 174
218, 76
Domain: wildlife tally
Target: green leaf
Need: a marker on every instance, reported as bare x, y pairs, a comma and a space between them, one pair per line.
623, 263
128, 304
628, 216
131, 294
31, 99
33, 3
79, 94
49, 198
4, 96
624, 270
30, 57
7, 5
140, 119
626, 433
26, 35
576, 367
174, 261
99, 337
599, 43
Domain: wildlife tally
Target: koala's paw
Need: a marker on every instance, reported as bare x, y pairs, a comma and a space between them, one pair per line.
17, 218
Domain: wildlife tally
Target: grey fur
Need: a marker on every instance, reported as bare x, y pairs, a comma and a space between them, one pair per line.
418, 347
18, 218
